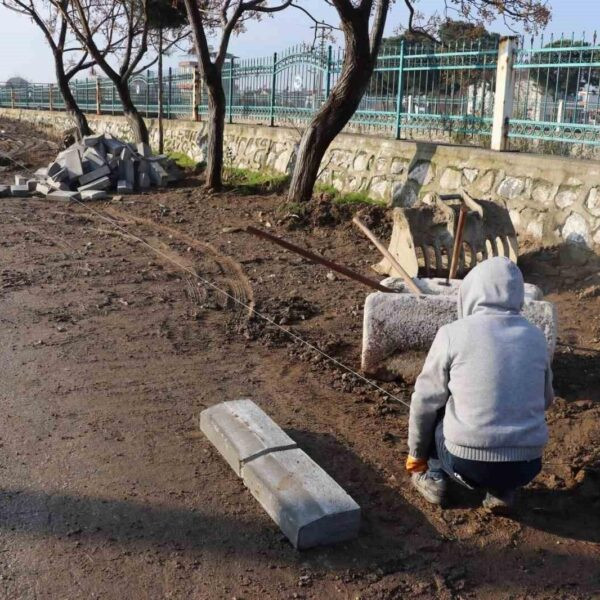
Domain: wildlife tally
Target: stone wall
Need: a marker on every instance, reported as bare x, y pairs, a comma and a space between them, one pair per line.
552, 199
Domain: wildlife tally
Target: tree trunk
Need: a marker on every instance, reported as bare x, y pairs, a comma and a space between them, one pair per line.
216, 131
334, 114
133, 116
71, 105
160, 92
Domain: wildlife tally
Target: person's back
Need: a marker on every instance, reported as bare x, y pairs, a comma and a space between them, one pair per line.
489, 370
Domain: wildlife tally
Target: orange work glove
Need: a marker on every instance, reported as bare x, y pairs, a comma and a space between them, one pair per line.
416, 465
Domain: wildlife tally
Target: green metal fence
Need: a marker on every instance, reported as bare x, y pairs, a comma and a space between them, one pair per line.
426, 91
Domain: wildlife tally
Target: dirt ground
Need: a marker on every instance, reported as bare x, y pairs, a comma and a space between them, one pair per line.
108, 353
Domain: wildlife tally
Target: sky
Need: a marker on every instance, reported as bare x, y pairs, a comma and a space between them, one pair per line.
23, 50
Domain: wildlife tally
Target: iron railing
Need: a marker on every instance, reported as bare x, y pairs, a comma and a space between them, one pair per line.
437, 92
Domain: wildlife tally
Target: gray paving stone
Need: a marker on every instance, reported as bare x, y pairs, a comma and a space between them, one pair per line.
63, 195
93, 195
94, 158
144, 181
241, 432
92, 140
53, 168
20, 191
57, 185
127, 166
61, 175
124, 187
97, 173
158, 175
310, 508
99, 184
71, 160
43, 188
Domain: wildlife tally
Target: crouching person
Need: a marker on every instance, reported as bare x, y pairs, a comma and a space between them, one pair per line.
478, 411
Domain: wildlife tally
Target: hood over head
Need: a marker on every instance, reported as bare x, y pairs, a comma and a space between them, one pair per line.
494, 286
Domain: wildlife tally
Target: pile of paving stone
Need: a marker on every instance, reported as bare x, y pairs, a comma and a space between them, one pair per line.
95, 166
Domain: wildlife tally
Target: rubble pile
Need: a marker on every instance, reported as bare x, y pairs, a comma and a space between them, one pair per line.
89, 169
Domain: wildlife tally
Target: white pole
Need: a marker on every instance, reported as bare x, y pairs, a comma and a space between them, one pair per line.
503, 98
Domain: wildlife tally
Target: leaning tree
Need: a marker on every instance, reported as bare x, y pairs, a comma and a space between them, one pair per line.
69, 57
126, 29
362, 23
219, 18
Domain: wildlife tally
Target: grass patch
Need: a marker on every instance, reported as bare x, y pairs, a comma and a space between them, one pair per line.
182, 160
349, 199
357, 198
247, 181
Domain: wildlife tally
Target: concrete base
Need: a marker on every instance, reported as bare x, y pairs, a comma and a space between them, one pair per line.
395, 324
308, 505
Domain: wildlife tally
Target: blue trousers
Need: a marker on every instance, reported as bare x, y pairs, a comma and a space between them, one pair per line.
497, 477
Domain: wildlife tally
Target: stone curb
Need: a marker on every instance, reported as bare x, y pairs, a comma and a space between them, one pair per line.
310, 508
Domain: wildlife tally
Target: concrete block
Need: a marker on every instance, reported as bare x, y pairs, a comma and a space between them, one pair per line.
61, 175
242, 432
41, 173
99, 184
31, 184
143, 181
403, 322
158, 175
70, 159
63, 195
93, 195
112, 145
306, 503
53, 169
57, 185
437, 285
4, 191
92, 140
43, 188
20, 191
97, 173
94, 158
127, 166
20, 180
124, 187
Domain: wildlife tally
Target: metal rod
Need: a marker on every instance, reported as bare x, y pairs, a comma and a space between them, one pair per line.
316, 258
412, 286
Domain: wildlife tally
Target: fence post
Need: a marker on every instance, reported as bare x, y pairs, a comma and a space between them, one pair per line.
503, 98
231, 89
98, 97
273, 83
195, 95
87, 95
112, 87
12, 97
328, 73
170, 98
148, 93
400, 90
50, 104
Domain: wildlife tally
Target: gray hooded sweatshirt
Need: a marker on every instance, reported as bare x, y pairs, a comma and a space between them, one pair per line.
491, 372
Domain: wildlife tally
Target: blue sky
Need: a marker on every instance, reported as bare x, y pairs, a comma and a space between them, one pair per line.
23, 51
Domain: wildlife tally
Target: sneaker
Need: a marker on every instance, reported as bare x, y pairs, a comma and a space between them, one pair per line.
500, 504
431, 485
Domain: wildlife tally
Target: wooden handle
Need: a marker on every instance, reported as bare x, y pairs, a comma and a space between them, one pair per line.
462, 217
412, 286
320, 260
